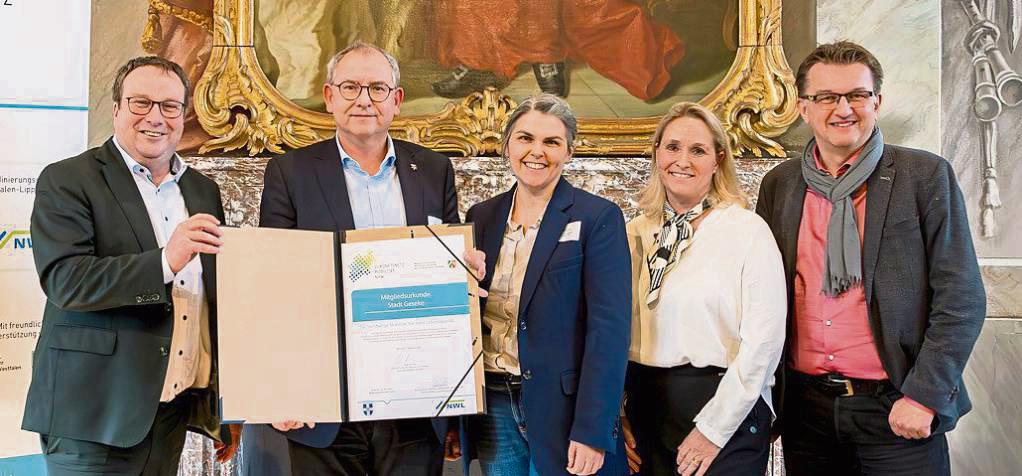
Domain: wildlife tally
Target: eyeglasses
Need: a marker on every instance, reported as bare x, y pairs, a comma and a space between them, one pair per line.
855, 98
141, 106
350, 90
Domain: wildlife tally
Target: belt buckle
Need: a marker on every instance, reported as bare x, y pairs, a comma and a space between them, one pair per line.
849, 389
512, 379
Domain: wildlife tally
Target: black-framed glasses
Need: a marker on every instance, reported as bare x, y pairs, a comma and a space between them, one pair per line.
169, 108
350, 90
857, 98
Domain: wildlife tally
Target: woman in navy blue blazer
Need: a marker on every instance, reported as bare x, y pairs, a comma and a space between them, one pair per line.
556, 323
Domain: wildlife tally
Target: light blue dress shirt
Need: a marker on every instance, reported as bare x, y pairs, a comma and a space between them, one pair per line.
376, 200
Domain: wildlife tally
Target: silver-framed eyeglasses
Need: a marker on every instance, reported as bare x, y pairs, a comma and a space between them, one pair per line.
350, 90
169, 108
857, 98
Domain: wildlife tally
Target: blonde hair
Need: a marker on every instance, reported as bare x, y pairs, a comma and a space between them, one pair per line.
724, 188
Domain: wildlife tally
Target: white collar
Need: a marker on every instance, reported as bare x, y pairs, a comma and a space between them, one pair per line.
177, 166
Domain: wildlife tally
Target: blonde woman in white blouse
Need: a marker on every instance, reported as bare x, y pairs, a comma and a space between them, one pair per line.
708, 310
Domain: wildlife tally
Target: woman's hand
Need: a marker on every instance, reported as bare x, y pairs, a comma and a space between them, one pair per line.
289, 425
452, 445
584, 460
476, 261
634, 461
695, 454
224, 453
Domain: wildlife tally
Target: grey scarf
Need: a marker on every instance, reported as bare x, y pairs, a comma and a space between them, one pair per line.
843, 266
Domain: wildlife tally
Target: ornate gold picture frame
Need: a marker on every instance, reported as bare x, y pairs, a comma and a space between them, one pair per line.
242, 110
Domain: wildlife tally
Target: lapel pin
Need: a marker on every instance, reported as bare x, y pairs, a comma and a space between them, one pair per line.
414, 166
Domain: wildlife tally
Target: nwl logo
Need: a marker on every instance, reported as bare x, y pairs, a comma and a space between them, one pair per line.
15, 239
452, 405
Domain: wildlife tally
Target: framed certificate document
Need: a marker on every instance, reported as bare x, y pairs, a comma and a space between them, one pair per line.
367, 325
412, 323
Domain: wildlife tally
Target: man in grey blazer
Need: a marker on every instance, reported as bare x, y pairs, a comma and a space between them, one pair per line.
885, 296
124, 237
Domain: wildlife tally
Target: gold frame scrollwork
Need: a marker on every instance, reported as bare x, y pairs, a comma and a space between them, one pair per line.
241, 109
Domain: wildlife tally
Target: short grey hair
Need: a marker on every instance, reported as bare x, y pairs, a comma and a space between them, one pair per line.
547, 104
362, 46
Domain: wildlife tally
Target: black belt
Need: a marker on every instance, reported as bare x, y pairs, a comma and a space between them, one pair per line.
841, 386
503, 381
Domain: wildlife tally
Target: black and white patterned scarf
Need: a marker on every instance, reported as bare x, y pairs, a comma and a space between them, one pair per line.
673, 238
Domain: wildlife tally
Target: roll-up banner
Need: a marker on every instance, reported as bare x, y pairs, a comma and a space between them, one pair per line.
44, 80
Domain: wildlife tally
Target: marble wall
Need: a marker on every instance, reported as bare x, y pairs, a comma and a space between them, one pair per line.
997, 232
619, 179
905, 38
989, 439
963, 144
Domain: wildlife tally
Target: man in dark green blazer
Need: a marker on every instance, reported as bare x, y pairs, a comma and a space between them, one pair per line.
124, 237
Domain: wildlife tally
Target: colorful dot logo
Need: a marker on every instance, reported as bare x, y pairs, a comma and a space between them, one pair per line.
360, 265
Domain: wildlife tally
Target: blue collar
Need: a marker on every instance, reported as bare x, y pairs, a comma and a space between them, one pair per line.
348, 162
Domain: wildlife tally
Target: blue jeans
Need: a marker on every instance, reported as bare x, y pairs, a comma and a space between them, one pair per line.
499, 435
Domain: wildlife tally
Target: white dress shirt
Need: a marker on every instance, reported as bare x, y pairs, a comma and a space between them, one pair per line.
190, 356
724, 304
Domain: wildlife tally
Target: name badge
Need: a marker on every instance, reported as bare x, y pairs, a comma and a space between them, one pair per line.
571, 231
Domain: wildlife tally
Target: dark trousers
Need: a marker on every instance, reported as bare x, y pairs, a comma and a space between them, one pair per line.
836, 436
157, 455
384, 448
662, 402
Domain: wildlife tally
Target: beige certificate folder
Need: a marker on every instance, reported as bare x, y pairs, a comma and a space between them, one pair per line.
279, 351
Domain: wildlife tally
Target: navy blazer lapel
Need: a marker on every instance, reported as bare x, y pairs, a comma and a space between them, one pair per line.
493, 232
550, 230
878, 197
330, 176
189, 185
411, 185
122, 185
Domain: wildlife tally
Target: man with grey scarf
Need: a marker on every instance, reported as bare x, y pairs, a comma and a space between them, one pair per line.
885, 296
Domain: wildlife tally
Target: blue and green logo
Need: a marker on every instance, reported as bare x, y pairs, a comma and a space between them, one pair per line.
15, 239
360, 265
